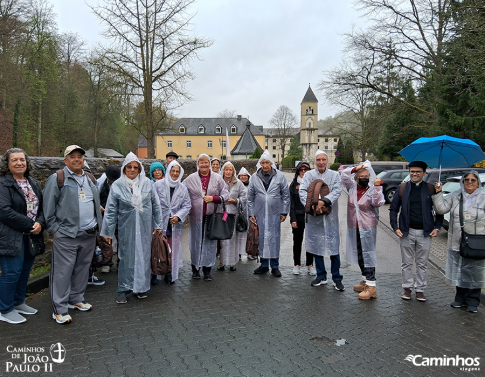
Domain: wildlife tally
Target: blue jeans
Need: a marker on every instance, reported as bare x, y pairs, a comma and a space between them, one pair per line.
14, 278
275, 262
334, 268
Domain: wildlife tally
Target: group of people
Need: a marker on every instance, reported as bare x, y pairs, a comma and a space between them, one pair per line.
128, 206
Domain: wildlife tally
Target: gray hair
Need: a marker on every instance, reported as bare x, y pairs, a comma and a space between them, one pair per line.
4, 161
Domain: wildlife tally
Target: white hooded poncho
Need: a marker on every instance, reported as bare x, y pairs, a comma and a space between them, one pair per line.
203, 250
179, 205
133, 206
267, 206
243, 236
365, 213
322, 232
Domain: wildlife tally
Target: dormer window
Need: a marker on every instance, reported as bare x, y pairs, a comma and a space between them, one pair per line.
201, 129
233, 129
182, 129
218, 129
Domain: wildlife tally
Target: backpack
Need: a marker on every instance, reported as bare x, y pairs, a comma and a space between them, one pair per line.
318, 189
161, 258
106, 251
252, 241
60, 178
432, 189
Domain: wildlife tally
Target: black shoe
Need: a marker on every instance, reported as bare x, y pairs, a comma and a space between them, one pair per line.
168, 278
142, 295
221, 267
338, 285
154, 280
121, 298
261, 270
196, 275
276, 272
232, 268
207, 277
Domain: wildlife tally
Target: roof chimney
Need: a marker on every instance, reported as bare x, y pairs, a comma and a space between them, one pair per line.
239, 117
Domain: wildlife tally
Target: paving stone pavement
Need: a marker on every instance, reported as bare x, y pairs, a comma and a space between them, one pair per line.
242, 324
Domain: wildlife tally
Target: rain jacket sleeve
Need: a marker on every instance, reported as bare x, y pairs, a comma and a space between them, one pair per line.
110, 215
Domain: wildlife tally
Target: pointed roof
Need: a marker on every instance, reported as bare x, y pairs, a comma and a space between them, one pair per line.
247, 143
309, 96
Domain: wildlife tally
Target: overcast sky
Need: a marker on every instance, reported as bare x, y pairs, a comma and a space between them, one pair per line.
265, 52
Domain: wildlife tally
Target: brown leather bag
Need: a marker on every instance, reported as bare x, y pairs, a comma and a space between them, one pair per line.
318, 189
106, 251
161, 259
252, 241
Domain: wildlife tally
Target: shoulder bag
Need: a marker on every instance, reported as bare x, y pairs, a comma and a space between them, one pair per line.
242, 221
37, 244
220, 226
472, 246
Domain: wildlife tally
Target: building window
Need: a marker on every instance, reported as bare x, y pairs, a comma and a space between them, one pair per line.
233, 129
326, 146
335, 140
189, 157
210, 156
318, 140
188, 144
209, 143
335, 147
326, 140
274, 156
169, 144
218, 129
182, 129
309, 124
201, 129
223, 143
181, 157
274, 147
274, 140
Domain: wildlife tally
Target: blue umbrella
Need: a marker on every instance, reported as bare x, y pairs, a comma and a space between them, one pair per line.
444, 152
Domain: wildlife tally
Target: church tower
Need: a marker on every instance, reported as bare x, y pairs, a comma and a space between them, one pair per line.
309, 125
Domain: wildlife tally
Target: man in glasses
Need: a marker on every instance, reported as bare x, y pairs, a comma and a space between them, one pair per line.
415, 228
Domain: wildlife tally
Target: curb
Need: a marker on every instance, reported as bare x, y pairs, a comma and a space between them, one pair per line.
38, 283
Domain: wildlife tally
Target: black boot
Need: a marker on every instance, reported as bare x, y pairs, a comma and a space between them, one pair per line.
195, 273
207, 273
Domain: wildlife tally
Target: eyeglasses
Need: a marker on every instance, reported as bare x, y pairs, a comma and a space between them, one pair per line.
128, 167
416, 172
470, 180
304, 169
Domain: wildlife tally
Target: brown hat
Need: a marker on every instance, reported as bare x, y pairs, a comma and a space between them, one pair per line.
72, 148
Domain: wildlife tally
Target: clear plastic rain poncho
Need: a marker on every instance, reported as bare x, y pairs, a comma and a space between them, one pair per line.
365, 213
322, 232
242, 237
463, 272
229, 248
133, 206
203, 250
179, 205
267, 206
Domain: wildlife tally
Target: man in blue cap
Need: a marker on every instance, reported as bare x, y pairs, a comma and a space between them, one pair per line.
416, 226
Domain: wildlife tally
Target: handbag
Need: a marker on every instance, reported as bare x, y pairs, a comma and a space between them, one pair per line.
37, 243
472, 246
220, 226
242, 221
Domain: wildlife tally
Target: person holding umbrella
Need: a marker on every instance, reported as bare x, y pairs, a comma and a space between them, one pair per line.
415, 228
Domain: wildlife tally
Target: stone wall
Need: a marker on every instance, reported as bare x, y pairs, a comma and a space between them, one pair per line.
45, 166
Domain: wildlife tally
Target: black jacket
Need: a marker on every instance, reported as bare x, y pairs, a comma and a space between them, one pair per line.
402, 204
13, 215
297, 210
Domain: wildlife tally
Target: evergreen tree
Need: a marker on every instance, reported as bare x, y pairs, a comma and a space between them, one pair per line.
295, 147
256, 154
340, 150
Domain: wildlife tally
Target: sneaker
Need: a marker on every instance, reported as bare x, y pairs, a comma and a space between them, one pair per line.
261, 270
276, 272
121, 299
472, 309
360, 287
82, 306
338, 285
406, 295
105, 269
25, 309
318, 281
456, 304
312, 271
93, 280
62, 319
252, 257
420, 296
368, 293
296, 270
142, 295
12, 317
207, 277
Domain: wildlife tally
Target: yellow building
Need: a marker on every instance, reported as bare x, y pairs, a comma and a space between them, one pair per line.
190, 137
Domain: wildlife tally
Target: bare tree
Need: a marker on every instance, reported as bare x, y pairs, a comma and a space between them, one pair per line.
227, 113
151, 50
284, 122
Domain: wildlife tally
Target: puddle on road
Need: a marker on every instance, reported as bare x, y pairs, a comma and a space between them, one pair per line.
328, 341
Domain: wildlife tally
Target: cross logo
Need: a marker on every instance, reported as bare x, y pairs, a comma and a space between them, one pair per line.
58, 353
